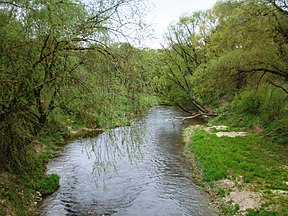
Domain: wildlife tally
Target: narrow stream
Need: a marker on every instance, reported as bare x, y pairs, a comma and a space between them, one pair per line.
136, 170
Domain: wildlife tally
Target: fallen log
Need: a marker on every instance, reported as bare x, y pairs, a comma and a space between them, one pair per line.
206, 115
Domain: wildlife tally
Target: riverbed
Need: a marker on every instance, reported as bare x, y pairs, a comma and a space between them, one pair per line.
135, 170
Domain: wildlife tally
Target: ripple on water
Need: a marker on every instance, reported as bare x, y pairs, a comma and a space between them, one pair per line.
137, 170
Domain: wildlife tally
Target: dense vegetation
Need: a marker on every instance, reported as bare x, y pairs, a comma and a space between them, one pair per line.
233, 57
62, 69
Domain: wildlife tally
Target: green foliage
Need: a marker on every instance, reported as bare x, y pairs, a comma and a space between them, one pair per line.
184, 54
248, 103
211, 85
15, 196
227, 51
266, 106
267, 101
61, 70
57, 63
229, 209
261, 213
15, 137
277, 131
48, 184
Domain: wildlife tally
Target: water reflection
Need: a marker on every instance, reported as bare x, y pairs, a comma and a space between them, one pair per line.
120, 144
142, 169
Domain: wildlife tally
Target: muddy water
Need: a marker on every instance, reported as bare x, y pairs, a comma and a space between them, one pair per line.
135, 170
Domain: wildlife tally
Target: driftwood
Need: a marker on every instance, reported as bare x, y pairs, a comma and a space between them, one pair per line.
207, 113
188, 117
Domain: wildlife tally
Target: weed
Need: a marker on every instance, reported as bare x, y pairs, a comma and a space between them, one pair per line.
261, 213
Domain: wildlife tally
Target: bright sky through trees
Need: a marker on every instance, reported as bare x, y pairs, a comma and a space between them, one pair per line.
163, 12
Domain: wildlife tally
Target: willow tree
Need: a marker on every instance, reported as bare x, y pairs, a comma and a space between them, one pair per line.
44, 46
257, 45
186, 51
247, 45
248, 64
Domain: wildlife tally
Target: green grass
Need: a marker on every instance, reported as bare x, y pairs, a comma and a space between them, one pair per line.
262, 165
48, 184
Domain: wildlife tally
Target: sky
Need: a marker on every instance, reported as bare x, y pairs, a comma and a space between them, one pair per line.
164, 12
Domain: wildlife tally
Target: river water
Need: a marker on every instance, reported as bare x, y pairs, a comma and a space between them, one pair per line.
136, 170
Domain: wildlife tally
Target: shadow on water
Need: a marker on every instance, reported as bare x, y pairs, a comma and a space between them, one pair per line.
135, 170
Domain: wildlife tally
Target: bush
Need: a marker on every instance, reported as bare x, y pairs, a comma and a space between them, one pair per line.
266, 107
268, 102
48, 184
277, 132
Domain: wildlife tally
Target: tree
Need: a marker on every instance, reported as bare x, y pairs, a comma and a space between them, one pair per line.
44, 46
258, 42
186, 52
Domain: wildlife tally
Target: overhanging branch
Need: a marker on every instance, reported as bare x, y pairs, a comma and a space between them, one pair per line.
281, 87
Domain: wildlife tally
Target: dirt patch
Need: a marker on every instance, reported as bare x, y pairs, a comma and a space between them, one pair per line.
240, 195
231, 134
226, 183
221, 134
245, 199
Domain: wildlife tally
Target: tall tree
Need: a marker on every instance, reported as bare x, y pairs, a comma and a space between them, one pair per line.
42, 57
258, 42
186, 51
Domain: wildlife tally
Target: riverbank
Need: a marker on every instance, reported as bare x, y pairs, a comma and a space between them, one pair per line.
244, 174
20, 193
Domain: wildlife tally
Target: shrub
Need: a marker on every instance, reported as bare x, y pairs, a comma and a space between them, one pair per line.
268, 102
48, 184
267, 107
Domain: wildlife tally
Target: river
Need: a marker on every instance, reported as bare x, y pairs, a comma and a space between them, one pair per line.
136, 170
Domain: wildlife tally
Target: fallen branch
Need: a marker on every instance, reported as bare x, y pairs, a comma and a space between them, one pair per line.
188, 117
185, 110
196, 115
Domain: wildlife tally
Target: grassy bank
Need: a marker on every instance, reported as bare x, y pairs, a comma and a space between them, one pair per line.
20, 192
244, 174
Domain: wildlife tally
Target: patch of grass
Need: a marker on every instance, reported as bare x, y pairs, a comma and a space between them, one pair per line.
261, 213
229, 209
277, 132
48, 184
258, 162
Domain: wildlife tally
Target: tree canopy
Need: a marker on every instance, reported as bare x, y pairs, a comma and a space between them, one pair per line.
57, 57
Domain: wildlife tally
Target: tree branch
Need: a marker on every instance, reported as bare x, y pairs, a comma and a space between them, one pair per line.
266, 70
281, 87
